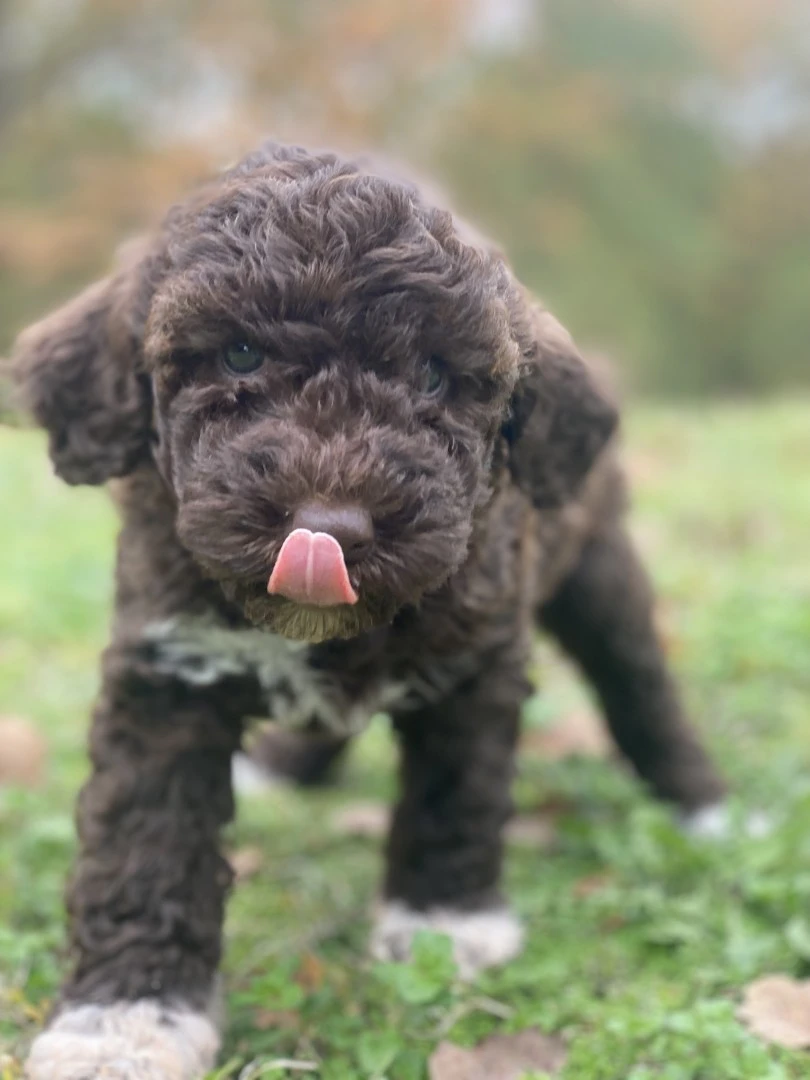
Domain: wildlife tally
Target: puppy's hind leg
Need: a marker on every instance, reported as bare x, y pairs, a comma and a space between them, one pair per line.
602, 615
310, 757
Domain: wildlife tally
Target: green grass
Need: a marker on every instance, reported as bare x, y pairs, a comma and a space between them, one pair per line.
642, 971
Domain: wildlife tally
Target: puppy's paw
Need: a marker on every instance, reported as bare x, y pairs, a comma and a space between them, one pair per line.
141, 1040
716, 822
250, 778
481, 939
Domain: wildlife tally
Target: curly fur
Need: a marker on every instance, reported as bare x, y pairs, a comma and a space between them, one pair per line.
407, 372
138, 1041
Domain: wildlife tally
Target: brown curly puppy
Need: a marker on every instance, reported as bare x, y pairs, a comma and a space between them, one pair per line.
358, 465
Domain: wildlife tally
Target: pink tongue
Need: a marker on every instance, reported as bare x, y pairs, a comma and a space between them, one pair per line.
310, 569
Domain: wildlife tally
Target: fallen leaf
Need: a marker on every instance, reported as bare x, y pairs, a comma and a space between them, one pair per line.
369, 819
310, 972
579, 733
532, 830
500, 1057
269, 1019
451, 1062
777, 1009
246, 862
554, 805
612, 922
22, 753
591, 884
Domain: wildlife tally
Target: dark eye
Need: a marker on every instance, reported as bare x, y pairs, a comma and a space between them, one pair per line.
242, 359
434, 377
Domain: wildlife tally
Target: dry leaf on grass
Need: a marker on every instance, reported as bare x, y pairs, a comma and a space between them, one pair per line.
532, 830
500, 1057
592, 883
777, 1009
579, 733
22, 753
246, 862
310, 973
270, 1019
611, 923
368, 819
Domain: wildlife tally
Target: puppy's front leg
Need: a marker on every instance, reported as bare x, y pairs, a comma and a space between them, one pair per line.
146, 900
445, 848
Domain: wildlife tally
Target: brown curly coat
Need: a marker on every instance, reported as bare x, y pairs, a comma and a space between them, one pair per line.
497, 505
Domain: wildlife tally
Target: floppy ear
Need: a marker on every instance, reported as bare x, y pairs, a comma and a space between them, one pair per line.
78, 372
560, 419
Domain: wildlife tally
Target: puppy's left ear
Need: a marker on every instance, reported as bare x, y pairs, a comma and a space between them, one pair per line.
560, 418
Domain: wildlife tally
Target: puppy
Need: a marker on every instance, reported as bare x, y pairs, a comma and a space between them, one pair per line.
356, 466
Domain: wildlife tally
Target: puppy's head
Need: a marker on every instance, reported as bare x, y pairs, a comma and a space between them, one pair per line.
326, 375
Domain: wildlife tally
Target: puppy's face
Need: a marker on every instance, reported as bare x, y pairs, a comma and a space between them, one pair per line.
331, 366
321, 368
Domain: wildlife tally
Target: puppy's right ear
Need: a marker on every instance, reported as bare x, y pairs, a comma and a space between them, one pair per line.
79, 375
561, 419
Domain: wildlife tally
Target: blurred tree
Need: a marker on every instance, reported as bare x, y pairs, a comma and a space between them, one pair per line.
653, 233
644, 162
109, 110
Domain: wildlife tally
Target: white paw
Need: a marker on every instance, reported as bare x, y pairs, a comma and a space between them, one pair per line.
481, 939
716, 823
249, 778
141, 1040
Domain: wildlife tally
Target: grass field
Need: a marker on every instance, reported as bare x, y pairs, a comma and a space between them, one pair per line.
640, 941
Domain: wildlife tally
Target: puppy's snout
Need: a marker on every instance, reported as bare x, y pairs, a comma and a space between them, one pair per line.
351, 526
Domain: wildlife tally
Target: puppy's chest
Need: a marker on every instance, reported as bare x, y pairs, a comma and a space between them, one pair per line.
296, 688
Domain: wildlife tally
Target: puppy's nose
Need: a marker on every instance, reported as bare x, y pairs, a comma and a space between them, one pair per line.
351, 526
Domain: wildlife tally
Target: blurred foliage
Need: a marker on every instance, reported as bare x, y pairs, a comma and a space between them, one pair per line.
646, 163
